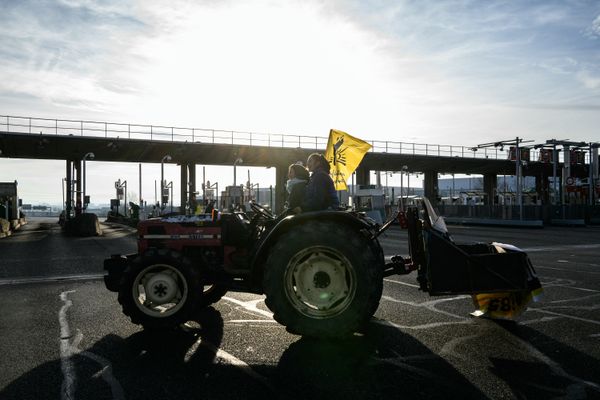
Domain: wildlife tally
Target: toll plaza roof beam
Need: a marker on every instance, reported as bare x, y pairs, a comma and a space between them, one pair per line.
503, 143
60, 147
566, 143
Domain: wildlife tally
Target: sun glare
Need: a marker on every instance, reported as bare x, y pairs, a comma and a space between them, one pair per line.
263, 68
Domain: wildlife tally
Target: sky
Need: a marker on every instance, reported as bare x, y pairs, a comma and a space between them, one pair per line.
438, 72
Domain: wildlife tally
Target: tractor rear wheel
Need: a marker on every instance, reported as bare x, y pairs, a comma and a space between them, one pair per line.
322, 280
160, 289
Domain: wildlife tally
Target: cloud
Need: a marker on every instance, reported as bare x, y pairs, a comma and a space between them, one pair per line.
298, 66
589, 80
56, 49
594, 30
560, 107
447, 72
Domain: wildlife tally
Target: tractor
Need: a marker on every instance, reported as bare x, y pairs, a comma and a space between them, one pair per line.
321, 272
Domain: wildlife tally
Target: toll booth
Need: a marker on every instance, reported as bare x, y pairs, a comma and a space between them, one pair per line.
409, 201
233, 198
9, 201
472, 198
371, 200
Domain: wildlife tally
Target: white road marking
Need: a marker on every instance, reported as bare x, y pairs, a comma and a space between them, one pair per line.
449, 348
562, 247
430, 305
579, 288
69, 378
538, 320
557, 369
401, 283
251, 321
423, 326
44, 279
568, 270
68, 349
229, 358
250, 306
577, 299
542, 310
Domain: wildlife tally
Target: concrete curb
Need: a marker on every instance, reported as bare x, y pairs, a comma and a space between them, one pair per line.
8, 227
496, 222
568, 222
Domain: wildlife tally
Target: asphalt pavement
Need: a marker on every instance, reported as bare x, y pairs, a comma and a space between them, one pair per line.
64, 336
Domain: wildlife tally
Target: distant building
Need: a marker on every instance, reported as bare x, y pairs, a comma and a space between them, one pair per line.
450, 187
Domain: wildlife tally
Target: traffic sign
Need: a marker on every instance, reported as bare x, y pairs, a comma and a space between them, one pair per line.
570, 181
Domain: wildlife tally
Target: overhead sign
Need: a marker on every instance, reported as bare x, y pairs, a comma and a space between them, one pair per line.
546, 156
577, 157
525, 153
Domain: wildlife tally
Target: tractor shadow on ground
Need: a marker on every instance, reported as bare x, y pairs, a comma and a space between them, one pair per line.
381, 363
185, 364
171, 364
561, 372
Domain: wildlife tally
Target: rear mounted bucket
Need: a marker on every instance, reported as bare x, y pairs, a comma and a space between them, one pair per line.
451, 269
445, 267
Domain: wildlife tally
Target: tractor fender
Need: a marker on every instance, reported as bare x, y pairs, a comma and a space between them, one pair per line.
290, 222
114, 267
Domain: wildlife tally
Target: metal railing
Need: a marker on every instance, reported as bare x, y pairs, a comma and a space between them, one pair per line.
546, 213
65, 127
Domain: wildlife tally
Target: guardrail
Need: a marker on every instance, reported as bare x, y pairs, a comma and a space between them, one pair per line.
46, 126
547, 213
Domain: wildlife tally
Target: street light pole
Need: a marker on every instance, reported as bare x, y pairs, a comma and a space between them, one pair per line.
402, 170
162, 178
591, 177
386, 188
236, 162
554, 171
452, 197
402, 189
519, 178
88, 156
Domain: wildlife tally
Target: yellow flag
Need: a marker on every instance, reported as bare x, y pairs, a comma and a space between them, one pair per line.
344, 153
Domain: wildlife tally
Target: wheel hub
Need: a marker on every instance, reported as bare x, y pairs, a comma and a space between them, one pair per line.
320, 282
161, 288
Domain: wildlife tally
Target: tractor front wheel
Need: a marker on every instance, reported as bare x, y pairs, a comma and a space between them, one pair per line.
160, 289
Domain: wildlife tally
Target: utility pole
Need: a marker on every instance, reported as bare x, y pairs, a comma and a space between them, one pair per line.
140, 182
519, 179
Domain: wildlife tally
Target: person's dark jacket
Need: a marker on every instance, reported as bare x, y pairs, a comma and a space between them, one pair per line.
320, 192
296, 196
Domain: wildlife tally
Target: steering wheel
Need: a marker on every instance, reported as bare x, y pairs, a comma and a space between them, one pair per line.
260, 210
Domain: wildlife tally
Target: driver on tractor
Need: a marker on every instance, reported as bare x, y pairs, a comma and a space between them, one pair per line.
320, 191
